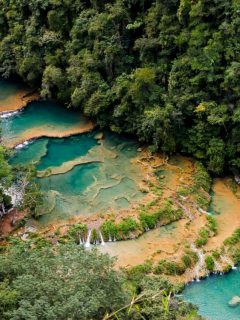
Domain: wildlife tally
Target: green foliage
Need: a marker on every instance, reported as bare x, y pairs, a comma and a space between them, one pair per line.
169, 268
203, 237
109, 230
209, 263
201, 177
234, 239
212, 224
127, 226
67, 281
58, 282
206, 232
95, 237
78, 232
148, 221
167, 71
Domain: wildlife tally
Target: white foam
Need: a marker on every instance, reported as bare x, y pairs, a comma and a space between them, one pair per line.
8, 114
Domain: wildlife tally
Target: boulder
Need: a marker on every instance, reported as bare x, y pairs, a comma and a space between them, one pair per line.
234, 301
99, 136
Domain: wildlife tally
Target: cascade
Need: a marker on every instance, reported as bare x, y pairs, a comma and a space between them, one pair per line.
101, 237
201, 262
88, 244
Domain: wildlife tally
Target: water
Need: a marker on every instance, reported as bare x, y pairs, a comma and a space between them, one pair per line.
40, 118
8, 90
87, 176
212, 295
136, 251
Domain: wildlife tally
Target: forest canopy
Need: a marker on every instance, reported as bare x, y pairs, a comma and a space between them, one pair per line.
167, 71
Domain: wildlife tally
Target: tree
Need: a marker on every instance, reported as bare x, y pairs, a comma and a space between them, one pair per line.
58, 283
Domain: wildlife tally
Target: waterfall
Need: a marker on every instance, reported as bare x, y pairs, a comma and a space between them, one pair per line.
101, 237
201, 262
88, 244
228, 261
203, 211
81, 242
110, 238
5, 115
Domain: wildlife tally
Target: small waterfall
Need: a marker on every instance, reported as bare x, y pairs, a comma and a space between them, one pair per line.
5, 115
203, 211
101, 237
201, 262
22, 145
110, 238
81, 242
88, 244
228, 261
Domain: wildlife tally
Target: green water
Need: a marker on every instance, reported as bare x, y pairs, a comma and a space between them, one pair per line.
212, 295
42, 115
8, 89
66, 149
109, 180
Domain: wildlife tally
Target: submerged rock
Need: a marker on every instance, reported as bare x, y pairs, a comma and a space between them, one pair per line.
234, 301
99, 136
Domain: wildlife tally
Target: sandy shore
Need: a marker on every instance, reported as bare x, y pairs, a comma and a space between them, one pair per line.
49, 132
18, 101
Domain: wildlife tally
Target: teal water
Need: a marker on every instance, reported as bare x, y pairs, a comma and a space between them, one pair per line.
212, 295
40, 116
8, 89
66, 149
108, 180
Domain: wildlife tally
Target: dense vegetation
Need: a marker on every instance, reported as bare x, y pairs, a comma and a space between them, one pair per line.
167, 71
17, 181
67, 282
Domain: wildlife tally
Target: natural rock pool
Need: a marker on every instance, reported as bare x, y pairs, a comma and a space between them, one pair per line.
83, 171
42, 118
213, 294
79, 174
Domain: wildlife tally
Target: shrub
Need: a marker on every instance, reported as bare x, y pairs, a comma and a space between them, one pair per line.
186, 260
127, 225
148, 221
234, 239
95, 237
212, 225
169, 268
202, 238
78, 232
109, 230
209, 263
